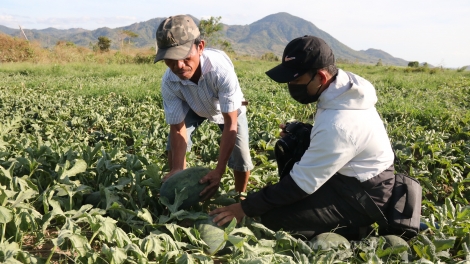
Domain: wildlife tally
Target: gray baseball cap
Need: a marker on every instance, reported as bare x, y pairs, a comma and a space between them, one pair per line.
175, 37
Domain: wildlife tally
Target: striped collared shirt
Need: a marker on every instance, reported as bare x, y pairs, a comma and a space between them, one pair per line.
217, 91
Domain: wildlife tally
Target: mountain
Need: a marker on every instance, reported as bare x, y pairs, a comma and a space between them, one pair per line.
269, 34
273, 32
384, 56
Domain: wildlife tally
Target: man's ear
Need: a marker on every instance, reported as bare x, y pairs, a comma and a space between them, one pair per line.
200, 47
323, 76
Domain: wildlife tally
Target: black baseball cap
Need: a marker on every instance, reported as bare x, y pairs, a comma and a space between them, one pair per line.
301, 55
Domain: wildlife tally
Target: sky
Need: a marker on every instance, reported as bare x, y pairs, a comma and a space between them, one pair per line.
436, 32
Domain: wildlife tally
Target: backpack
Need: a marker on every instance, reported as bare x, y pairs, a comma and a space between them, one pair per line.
404, 210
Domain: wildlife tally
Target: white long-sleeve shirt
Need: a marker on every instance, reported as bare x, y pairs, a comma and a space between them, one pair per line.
348, 136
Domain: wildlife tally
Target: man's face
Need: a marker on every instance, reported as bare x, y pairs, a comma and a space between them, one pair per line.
313, 83
186, 68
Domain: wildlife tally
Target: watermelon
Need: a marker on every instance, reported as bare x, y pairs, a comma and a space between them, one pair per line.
188, 178
326, 241
394, 241
397, 245
211, 234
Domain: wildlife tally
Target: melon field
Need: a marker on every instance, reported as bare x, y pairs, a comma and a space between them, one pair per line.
82, 155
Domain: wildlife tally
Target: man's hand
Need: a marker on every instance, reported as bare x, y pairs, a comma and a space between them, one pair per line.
169, 174
227, 213
213, 177
283, 133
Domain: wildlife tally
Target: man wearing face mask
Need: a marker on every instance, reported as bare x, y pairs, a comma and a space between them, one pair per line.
348, 160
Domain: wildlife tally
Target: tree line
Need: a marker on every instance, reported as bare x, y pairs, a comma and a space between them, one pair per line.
210, 31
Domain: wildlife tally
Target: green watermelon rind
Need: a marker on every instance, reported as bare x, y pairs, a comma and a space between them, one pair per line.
394, 241
188, 178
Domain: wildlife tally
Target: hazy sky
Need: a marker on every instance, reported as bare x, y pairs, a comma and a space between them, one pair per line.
437, 32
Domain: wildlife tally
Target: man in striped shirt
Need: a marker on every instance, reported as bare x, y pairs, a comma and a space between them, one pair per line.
200, 84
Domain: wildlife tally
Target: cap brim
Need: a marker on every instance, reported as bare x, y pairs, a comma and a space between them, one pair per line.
283, 74
180, 52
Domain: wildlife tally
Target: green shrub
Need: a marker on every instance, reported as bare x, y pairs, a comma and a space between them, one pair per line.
413, 64
269, 57
143, 58
104, 43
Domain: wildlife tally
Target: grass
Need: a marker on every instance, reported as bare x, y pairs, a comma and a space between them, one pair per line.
133, 80
421, 95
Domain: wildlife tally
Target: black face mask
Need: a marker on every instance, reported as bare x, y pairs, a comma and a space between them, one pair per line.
299, 92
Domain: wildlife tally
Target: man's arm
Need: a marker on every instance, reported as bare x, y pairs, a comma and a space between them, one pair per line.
282, 193
285, 192
177, 153
227, 142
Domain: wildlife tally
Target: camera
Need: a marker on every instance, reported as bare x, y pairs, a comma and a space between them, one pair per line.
290, 126
288, 143
290, 148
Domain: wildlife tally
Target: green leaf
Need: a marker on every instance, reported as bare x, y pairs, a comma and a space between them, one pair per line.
133, 248
231, 226
8, 173
151, 244
6, 215
261, 228
9, 252
395, 250
121, 238
79, 167
443, 244
236, 241
5, 194
107, 227
158, 243
244, 231
79, 242
153, 172
173, 228
463, 215
145, 215
114, 254
450, 209
185, 258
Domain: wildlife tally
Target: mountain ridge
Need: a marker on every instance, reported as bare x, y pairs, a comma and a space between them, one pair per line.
269, 34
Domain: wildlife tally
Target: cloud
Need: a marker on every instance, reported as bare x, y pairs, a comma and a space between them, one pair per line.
87, 22
13, 21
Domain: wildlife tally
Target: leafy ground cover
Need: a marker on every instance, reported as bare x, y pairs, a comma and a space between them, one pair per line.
82, 154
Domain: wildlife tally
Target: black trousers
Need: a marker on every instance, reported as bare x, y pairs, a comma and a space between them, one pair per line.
333, 207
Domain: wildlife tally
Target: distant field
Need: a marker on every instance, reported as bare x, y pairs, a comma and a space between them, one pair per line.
71, 129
